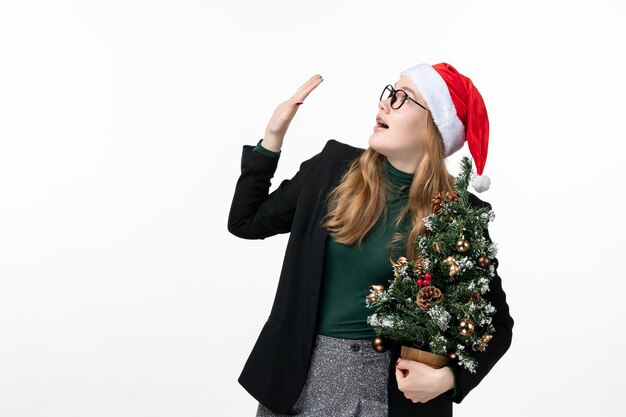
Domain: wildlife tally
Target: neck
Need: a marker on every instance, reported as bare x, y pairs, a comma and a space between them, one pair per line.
397, 176
406, 166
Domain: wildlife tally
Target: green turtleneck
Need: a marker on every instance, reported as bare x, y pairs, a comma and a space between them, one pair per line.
349, 271
259, 148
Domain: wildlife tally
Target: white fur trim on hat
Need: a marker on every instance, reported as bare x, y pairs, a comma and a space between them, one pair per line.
435, 91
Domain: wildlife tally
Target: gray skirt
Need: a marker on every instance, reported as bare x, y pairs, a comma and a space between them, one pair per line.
346, 378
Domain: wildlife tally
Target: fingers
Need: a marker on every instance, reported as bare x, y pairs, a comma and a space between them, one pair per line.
399, 375
285, 112
402, 364
306, 88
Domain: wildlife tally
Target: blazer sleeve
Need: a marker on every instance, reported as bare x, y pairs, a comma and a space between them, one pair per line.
255, 213
464, 380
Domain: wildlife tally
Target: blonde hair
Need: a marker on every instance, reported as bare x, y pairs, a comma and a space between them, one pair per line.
357, 202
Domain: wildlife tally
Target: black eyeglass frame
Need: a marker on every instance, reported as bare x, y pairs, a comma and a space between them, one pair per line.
395, 97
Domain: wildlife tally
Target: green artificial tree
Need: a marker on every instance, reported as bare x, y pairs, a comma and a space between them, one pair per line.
433, 305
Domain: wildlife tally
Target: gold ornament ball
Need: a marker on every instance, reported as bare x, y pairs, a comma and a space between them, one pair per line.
462, 245
452, 355
483, 261
380, 344
479, 347
454, 270
449, 261
466, 327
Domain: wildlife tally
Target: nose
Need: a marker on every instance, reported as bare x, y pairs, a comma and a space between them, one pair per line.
385, 104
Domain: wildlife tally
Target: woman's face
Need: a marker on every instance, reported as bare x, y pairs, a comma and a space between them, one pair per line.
401, 143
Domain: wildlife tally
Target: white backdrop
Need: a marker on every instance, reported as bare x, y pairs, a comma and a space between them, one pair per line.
121, 127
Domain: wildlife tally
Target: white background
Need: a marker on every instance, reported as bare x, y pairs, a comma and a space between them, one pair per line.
122, 124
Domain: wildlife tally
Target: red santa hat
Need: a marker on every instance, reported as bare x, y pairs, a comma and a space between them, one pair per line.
458, 110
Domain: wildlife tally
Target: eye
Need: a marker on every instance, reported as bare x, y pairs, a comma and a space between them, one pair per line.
400, 97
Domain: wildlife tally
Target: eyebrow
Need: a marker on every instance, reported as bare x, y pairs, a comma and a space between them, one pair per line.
404, 88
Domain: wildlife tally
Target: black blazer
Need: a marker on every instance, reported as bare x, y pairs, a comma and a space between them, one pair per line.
277, 367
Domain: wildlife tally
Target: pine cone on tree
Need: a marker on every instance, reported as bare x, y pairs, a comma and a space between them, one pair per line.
428, 296
438, 199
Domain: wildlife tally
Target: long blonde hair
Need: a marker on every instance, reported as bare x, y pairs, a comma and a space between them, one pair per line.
357, 202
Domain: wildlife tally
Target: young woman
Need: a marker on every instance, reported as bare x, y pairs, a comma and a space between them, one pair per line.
348, 210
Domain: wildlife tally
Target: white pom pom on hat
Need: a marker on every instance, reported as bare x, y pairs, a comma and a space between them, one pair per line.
458, 110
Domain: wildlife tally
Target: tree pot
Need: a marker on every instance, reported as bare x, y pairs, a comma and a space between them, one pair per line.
427, 358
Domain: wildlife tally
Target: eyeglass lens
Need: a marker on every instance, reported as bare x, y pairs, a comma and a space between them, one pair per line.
396, 99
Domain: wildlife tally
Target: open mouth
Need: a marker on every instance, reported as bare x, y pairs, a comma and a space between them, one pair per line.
380, 123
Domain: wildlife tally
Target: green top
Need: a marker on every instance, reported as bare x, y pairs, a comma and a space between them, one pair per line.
349, 271
259, 148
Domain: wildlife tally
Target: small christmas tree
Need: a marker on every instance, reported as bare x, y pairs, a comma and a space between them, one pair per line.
434, 303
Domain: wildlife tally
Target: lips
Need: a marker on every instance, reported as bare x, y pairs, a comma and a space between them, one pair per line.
381, 122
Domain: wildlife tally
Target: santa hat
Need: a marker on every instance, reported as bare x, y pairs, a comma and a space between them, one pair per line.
458, 110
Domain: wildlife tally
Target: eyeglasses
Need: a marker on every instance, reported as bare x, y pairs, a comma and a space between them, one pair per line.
398, 97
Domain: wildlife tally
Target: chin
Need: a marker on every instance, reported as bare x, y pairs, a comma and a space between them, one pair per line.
372, 142
377, 142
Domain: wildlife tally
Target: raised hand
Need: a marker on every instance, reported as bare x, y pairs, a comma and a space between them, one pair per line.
284, 113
